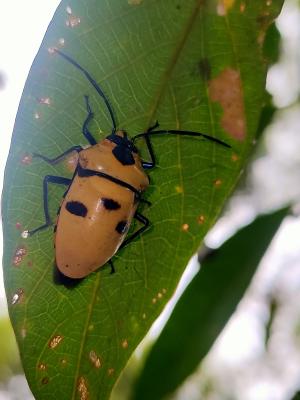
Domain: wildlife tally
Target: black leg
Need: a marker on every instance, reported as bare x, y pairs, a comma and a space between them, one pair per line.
149, 164
59, 158
112, 268
59, 180
145, 202
87, 134
144, 221
94, 84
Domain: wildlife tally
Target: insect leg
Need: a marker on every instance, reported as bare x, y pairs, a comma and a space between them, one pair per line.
59, 158
141, 218
85, 130
149, 164
59, 180
112, 270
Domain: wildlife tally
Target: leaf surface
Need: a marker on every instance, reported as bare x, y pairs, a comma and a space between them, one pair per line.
193, 65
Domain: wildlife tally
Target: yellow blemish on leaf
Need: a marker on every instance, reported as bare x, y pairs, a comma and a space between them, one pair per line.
135, 2
95, 360
201, 219
42, 367
179, 189
82, 389
218, 182
185, 227
234, 157
226, 89
23, 333
110, 371
54, 342
242, 7
224, 6
125, 344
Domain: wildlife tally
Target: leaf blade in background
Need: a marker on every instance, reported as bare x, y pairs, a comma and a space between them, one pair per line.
154, 60
205, 307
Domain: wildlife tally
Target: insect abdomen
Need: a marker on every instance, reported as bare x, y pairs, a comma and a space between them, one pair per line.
94, 219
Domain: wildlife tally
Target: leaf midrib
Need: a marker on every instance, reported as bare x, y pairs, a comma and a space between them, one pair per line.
166, 76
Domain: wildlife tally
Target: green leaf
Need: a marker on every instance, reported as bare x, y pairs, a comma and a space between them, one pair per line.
180, 63
205, 307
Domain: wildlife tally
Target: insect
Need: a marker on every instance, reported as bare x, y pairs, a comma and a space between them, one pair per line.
103, 196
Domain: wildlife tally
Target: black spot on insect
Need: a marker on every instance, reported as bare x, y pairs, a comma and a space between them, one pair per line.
204, 69
110, 204
124, 155
76, 208
55, 228
58, 210
121, 227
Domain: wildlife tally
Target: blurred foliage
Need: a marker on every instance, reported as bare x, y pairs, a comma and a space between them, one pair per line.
10, 363
205, 307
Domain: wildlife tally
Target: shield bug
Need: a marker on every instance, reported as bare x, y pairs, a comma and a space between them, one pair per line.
104, 193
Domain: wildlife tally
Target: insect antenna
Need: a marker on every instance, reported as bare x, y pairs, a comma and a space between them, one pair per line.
94, 83
178, 132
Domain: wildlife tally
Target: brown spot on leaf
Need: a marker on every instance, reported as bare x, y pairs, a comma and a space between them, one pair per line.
201, 219
72, 21
42, 367
95, 360
218, 182
82, 388
44, 100
54, 341
242, 7
226, 89
234, 157
19, 254
26, 159
17, 297
125, 344
45, 380
185, 227
134, 2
